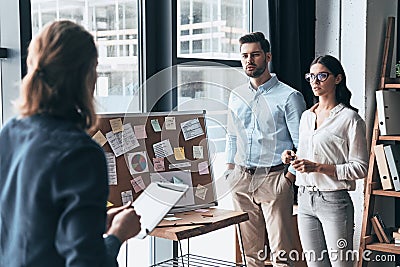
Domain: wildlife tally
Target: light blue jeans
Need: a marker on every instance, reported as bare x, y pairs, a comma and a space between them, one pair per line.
326, 227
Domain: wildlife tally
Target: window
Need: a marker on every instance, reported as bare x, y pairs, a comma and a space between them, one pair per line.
208, 31
211, 28
1, 95
114, 25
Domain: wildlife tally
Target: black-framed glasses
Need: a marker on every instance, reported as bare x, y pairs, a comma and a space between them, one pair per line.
321, 76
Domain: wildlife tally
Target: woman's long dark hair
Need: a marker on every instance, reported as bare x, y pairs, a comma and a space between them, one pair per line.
343, 94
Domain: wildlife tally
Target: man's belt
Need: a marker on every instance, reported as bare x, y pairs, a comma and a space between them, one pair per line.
262, 170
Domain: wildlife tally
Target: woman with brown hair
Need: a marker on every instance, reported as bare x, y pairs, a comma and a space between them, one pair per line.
53, 176
332, 154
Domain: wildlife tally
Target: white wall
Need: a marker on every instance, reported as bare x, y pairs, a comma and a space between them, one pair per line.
353, 31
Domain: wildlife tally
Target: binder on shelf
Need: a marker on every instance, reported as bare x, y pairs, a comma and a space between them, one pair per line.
385, 232
392, 153
376, 230
388, 110
383, 167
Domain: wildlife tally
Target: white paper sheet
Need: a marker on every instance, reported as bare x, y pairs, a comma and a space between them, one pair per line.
191, 129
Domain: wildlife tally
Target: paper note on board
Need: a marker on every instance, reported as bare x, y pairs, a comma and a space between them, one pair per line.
124, 141
126, 196
140, 131
201, 191
203, 168
179, 165
116, 125
191, 129
170, 123
179, 153
198, 152
156, 125
163, 149
129, 140
111, 168
115, 141
99, 138
158, 164
138, 184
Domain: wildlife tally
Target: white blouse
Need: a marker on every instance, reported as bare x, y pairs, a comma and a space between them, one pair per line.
340, 140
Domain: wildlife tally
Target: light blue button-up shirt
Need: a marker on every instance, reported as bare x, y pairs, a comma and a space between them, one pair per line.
263, 123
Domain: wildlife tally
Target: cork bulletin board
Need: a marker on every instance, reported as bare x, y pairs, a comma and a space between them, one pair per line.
169, 147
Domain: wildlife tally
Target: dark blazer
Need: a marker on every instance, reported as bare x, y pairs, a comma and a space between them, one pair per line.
53, 193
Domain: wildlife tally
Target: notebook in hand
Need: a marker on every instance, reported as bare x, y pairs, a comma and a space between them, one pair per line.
155, 202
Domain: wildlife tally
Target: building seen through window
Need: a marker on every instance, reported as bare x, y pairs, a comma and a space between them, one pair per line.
114, 25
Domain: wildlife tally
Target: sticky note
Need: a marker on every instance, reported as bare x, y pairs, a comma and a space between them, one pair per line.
198, 152
156, 125
116, 125
203, 168
179, 153
170, 123
138, 184
158, 164
201, 191
126, 196
99, 138
140, 131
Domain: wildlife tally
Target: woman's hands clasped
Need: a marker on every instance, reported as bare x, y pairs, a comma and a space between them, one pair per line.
300, 165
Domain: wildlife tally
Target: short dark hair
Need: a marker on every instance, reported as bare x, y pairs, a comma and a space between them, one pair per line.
255, 37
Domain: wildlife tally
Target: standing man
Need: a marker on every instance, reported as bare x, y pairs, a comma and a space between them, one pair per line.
263, 121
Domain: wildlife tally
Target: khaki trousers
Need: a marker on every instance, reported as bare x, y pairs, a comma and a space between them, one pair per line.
270, 209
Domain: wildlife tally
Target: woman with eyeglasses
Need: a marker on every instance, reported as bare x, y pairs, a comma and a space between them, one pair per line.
331, 155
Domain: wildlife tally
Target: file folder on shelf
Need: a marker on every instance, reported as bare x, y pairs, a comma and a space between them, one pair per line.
388, 108
376, 230
383, 168
392, 153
